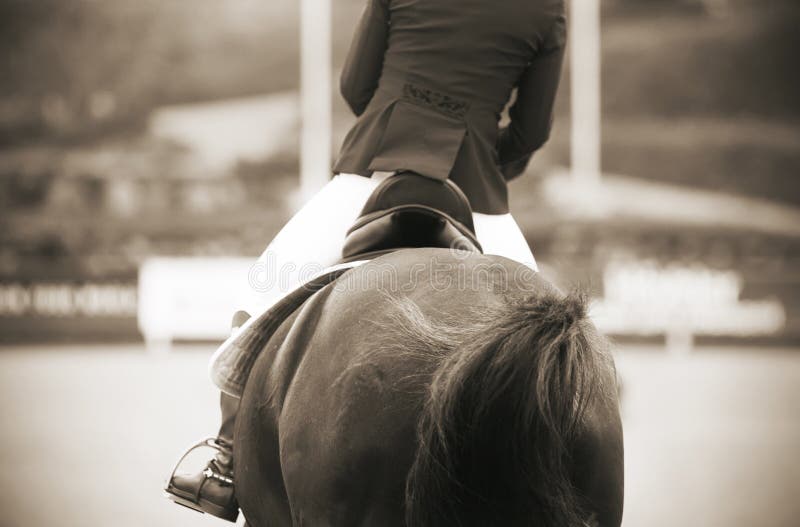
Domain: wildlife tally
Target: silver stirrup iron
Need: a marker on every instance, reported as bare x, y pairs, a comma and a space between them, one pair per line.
210, 442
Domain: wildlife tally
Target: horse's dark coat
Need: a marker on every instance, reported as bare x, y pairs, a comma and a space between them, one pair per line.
326, 429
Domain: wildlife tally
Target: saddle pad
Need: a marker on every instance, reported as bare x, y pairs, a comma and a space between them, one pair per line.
231, 363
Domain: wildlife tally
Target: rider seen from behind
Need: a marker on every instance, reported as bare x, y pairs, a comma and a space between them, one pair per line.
428, 80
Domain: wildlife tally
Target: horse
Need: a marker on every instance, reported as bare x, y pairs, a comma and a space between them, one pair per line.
428, 387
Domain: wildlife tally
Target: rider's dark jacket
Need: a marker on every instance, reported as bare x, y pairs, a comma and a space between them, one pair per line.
428, 80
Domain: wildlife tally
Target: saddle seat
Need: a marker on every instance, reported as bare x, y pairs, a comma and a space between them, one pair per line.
410, 210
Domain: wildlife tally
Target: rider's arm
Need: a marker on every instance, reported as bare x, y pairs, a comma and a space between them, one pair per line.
364, 62
532, 113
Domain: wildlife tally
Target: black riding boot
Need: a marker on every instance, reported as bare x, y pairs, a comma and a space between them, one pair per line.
212, 489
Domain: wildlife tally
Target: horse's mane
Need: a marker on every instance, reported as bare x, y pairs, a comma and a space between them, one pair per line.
503, 408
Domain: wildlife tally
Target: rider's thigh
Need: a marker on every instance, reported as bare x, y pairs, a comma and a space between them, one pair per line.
311, 240
499, 234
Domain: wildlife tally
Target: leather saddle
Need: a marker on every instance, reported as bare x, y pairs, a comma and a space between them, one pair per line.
410, 210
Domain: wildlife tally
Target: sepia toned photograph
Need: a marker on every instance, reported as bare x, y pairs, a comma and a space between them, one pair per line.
400, 263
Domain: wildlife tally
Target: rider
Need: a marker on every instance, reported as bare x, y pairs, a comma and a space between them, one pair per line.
428, 81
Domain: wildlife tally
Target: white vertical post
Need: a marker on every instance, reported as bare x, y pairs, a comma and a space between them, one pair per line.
315, 95
585, 91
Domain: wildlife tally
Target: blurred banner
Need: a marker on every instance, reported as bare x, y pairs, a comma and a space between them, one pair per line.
47, 311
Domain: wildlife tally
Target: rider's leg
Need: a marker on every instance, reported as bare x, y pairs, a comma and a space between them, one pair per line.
211, 490
499, 234
228, 407
311, 241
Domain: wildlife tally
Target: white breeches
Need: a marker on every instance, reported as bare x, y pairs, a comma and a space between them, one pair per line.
313, 239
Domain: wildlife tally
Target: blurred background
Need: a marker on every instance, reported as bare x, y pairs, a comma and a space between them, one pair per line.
139, 138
